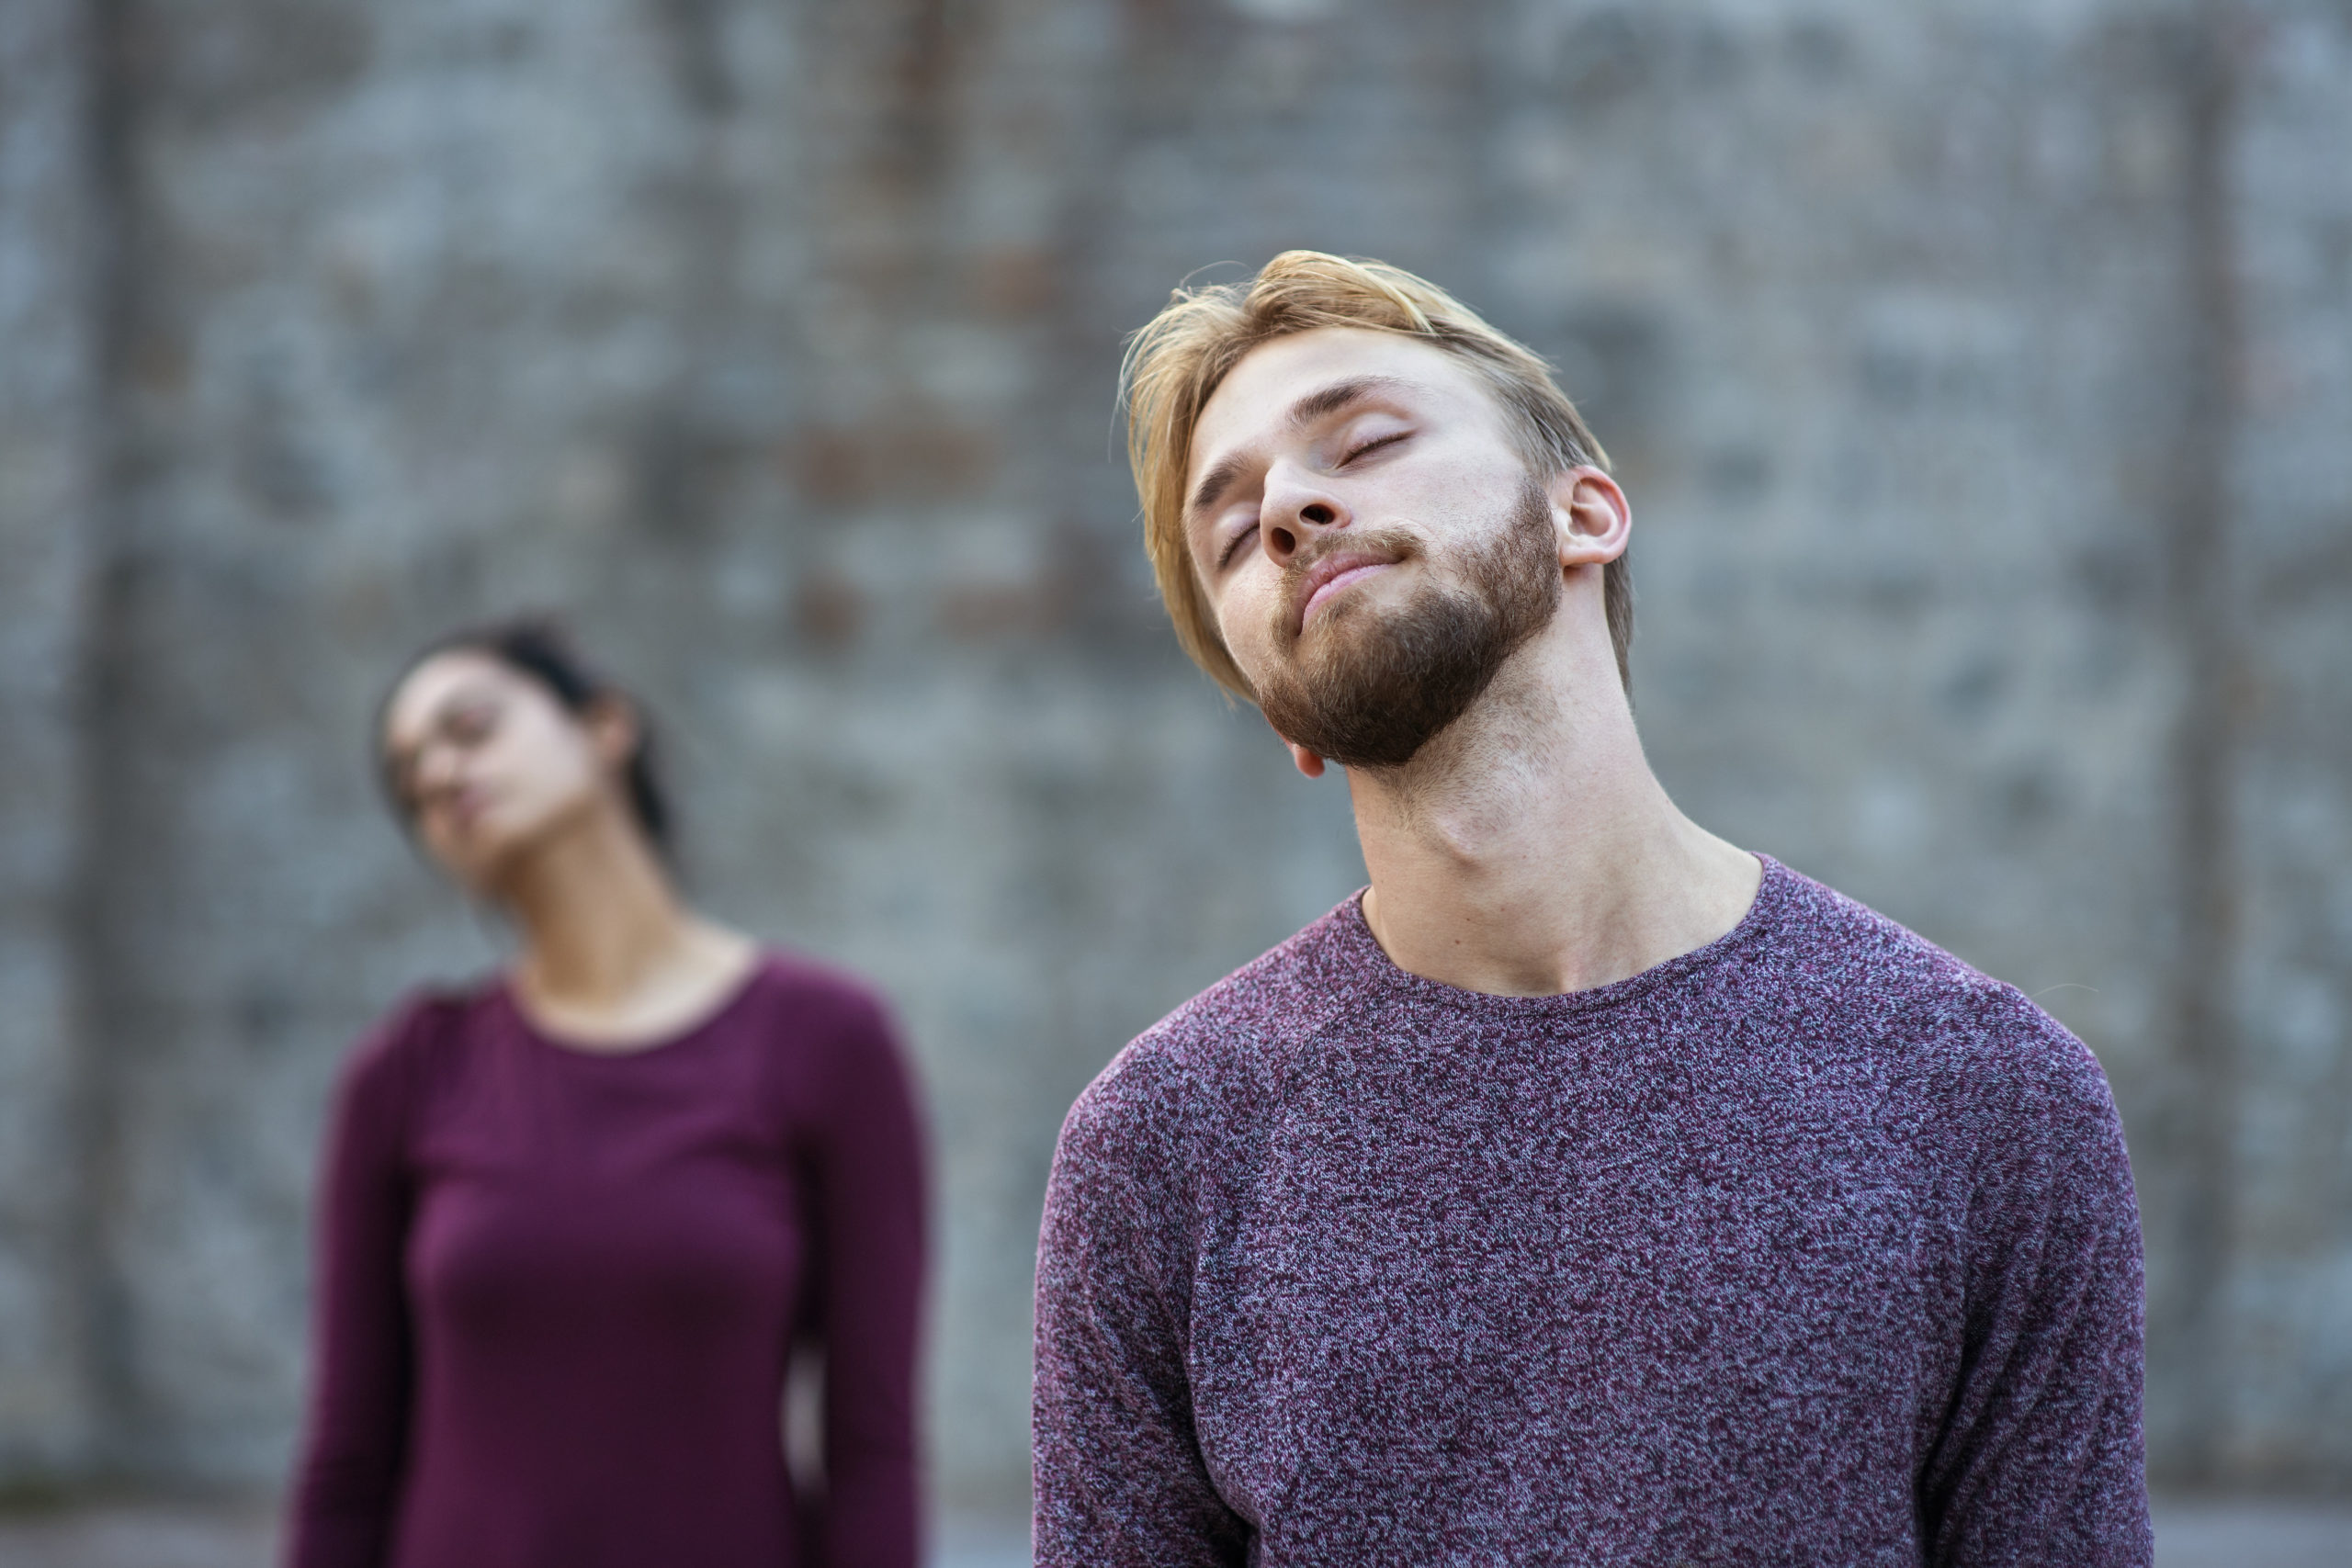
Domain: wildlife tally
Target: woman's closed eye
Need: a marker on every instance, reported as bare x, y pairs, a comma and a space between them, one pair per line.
470, 724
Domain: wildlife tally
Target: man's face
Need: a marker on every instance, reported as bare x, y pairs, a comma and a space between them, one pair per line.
1370, 539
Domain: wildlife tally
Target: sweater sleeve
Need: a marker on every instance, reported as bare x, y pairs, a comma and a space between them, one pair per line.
2041, 1457
870, 1202
1119, 1478
347, 1488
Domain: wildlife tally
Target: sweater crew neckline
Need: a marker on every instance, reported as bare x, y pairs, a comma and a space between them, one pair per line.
1354, 938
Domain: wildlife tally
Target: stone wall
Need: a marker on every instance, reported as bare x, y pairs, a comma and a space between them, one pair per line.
1980, 372
2278, 1319
49, 458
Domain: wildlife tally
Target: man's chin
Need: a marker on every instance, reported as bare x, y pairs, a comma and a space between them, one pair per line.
1370, 680
1347, 713
1334, 635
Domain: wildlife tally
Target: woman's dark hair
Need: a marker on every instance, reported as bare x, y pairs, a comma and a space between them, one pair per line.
538, 647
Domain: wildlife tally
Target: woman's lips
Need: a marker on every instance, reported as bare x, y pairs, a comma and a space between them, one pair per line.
1354, 571
468, 807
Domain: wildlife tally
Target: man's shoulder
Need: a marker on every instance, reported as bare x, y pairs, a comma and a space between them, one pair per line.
1858, 973
1228, 1047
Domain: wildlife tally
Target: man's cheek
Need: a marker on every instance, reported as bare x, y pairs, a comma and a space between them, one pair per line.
1247, 630
1239, 643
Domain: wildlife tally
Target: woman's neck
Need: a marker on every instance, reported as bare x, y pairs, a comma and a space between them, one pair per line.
610, 954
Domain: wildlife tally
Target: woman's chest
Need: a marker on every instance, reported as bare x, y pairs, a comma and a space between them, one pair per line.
546, 1196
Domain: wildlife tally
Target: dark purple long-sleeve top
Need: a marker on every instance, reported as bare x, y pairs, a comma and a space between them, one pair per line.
559, 1291
1811, 1246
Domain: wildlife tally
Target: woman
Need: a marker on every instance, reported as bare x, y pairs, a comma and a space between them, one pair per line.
576, 1218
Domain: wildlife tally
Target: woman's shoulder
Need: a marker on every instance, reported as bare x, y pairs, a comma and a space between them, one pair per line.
812, 990
418, 1029
825, 1017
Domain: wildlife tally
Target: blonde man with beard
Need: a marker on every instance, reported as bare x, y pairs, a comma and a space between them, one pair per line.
1586, 1190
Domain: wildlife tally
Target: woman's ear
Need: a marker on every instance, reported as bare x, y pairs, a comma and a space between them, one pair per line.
612, 730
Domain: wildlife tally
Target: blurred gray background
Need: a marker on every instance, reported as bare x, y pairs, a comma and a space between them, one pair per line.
1981, 371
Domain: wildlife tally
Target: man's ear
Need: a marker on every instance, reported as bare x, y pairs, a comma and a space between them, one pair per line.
1590, 515
1304, 761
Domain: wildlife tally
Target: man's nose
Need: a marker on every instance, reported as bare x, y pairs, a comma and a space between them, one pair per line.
1297, 509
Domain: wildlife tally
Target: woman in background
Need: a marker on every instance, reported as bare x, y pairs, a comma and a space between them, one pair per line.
575, 1218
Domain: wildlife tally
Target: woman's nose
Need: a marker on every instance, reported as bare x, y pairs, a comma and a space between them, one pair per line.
434, 769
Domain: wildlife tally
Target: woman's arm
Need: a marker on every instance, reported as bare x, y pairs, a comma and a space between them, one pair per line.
870, 1203
348, 1486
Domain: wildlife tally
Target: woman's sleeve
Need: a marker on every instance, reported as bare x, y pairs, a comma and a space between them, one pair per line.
870, 1202
348, 1483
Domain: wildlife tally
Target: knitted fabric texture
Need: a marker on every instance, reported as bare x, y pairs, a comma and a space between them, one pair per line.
1814, 1246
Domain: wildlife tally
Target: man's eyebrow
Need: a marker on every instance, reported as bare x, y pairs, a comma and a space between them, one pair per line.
1329, 400
1216, 482
1316, 404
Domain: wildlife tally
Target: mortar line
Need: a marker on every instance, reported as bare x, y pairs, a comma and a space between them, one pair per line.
107, 1358
2202, 608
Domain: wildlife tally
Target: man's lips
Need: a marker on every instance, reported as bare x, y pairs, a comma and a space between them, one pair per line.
1327, 576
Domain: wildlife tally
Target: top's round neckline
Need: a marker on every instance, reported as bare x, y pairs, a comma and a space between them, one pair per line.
729, 1000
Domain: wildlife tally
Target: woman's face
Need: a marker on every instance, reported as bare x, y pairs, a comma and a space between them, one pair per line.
488, 765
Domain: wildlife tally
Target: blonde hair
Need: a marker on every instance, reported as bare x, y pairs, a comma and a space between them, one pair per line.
1176, 361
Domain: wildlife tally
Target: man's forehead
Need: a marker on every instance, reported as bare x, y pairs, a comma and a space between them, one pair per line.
1260, 390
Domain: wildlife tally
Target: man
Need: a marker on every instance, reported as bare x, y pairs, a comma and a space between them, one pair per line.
1587, 1191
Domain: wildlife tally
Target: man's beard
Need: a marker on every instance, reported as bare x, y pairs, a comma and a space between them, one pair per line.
1374, 699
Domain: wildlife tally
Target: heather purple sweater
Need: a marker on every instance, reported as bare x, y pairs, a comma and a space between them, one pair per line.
1814, 1246
558, 1290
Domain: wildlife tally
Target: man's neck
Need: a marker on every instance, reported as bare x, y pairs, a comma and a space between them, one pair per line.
1529, 850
